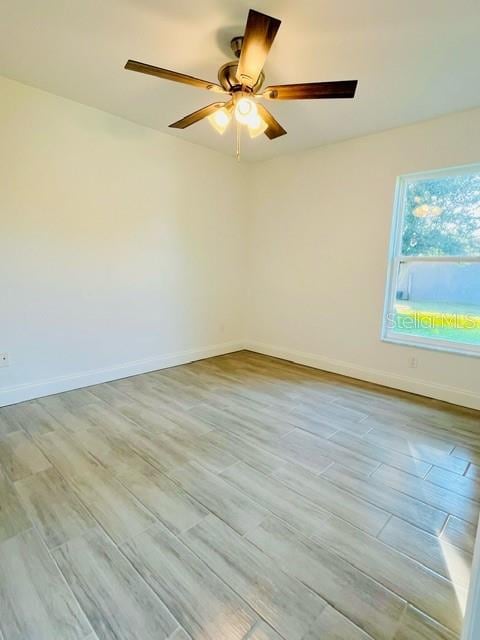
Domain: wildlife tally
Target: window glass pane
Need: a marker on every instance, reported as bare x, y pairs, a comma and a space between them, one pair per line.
438, 300
442, 216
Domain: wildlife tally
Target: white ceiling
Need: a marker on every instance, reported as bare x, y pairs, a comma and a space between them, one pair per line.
414, 59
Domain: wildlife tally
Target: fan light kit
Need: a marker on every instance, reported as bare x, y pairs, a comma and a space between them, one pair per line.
242, 80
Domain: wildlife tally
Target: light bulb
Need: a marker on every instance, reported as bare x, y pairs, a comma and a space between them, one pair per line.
246, 111
257, 126
220, 120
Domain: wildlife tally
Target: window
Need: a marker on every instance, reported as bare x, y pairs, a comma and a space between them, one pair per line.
433, 289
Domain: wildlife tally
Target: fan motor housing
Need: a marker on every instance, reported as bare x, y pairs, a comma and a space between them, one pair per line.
227, 77
227, 74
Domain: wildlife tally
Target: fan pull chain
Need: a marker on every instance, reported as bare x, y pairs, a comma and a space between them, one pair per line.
238, 141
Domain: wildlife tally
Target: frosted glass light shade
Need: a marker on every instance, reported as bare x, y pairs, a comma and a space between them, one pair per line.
256, 126
220, 120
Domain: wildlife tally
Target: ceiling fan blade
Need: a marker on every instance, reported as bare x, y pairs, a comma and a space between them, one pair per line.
196, 116
311, 90
259, 35
274, 129
166, 74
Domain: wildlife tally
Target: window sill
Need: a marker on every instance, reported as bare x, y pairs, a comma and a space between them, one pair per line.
454, 348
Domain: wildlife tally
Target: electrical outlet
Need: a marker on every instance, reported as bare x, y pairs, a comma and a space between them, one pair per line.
4, 360
413, 363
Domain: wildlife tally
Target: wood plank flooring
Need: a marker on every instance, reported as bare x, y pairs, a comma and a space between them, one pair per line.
236, 498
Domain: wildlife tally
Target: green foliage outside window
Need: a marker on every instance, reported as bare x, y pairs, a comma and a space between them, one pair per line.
442, 217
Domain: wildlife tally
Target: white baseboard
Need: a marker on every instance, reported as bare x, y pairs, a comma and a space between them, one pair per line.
29, 391
446, 393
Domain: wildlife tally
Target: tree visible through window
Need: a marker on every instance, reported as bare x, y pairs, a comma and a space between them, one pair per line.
433, 296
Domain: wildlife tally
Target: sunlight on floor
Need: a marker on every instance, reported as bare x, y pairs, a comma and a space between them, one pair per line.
459, 572
458, 569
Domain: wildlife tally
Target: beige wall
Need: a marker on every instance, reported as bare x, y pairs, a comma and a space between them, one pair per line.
121, 250
319, 238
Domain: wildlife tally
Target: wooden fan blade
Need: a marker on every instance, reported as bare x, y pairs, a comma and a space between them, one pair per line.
311, 90
196, 116
274, 129
259, 35
166, 74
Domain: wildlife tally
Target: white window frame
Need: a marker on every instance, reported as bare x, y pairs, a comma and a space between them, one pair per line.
396, 257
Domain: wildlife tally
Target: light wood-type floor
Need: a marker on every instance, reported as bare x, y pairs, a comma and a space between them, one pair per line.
236, 498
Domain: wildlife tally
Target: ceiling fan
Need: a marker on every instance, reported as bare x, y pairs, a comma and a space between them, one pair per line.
242, 79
